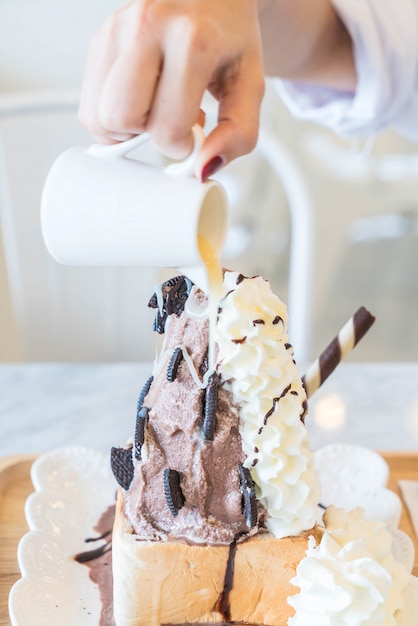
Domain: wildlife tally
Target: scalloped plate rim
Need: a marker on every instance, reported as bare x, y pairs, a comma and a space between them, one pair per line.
83, 594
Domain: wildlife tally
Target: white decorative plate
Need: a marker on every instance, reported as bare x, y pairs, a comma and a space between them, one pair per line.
74, 486
353, 476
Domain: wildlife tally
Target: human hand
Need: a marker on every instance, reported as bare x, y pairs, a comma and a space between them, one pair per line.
150, 64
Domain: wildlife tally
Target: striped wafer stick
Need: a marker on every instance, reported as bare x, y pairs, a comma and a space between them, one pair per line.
337, 350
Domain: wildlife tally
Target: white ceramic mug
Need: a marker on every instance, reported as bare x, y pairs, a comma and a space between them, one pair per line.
102, 208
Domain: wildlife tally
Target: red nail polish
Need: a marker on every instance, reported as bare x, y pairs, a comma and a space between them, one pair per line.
211, 167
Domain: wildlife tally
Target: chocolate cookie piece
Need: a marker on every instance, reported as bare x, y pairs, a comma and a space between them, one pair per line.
172, 490
122, 466
249, 501
145, 389
174, 292
173, 366
210, 406
140, 425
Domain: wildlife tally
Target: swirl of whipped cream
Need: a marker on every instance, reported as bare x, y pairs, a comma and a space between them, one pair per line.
256, 361
351, 577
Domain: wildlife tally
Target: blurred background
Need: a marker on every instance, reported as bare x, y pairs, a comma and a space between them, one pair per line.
332, 224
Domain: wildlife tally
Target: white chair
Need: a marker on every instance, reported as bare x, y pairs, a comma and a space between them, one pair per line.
302, 237
374, 186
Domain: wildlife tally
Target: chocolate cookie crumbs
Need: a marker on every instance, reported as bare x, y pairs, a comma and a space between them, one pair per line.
172, 490
278, 319
141, 422
174, 295
210, 406
203, 367
255, 322
173, 366
165, 289
122, 466
249, 502
145, 389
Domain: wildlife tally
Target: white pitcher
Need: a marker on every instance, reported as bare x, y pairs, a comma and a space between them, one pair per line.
102, 208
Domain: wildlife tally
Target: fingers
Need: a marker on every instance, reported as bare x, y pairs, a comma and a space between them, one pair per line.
128, 91
120, 77
100, 58
183, 81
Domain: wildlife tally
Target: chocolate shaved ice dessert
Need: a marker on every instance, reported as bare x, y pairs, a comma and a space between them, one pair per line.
218, 497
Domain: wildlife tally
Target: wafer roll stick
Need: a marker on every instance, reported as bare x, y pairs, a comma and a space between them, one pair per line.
337, 350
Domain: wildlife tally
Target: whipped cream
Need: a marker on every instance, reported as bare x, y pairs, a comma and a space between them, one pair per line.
351, 578
256, 361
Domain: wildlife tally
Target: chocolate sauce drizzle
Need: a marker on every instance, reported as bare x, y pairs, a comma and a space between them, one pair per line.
223, 605
242, 277
273, 408
241, 340
304, 411
90, 555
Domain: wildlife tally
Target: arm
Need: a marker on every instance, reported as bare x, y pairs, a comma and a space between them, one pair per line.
305, 40
319, 83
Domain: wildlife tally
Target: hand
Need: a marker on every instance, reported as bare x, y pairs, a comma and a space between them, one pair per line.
150, 64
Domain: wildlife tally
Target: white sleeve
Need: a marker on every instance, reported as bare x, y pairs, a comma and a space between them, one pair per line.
385, 38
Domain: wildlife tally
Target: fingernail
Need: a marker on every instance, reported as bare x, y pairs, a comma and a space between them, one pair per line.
211, 167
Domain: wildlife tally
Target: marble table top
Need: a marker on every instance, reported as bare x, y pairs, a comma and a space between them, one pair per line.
46, 406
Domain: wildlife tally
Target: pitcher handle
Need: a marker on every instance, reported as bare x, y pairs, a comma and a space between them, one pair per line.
120, 150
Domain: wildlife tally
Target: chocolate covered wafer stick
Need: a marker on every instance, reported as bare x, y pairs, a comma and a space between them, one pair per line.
337, 350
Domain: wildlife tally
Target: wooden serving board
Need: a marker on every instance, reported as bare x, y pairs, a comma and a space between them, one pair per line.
403, 465
16, 485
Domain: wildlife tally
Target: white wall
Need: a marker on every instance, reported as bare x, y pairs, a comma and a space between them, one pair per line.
44, 43
43, 47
